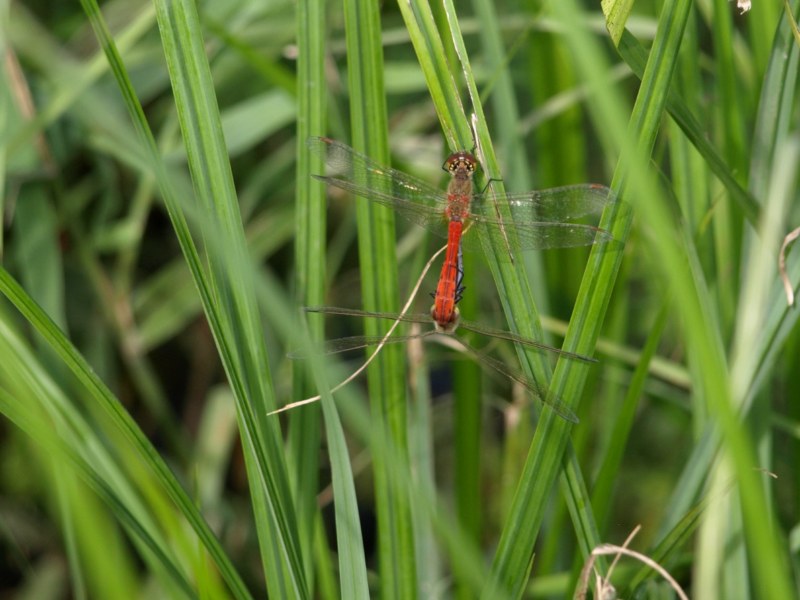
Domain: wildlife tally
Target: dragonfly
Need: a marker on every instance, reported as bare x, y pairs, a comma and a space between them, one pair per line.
356, 342
540, 219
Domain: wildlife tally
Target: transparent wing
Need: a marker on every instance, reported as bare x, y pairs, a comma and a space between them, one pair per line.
561, 409
518, 339
361, 341
542, 219
425, 319
355, 312
564, 203
415, 199
358, 342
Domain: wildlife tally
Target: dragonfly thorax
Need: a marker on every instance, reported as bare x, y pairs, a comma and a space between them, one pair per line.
461, 167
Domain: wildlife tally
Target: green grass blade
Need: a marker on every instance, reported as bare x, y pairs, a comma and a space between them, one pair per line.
704, 339
616, 13
85, 375
635, 56
505, 107
350, 544
378, 265
623, 421
304, 436
349, 541
212, 176
237, 330
730, 107
422, 445
511, 558
37, 405
775, 106
430, 52
511, 280
310, 247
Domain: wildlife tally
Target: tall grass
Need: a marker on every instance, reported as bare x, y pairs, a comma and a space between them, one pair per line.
162, 230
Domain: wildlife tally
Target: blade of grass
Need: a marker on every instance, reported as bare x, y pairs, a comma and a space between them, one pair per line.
310, 246
423, 462
465, 556
776, 94
325, 583
727, 223
446, 99
560, 157
761, 27
349, 544
690, 179
635, 55
376, 244
616, 13
504, 103
754, 310
502, 98
776, 97
237, 330
776, 104
704, 339
275, 500
511, 280
506, 109
145, 452
511, 558
304, 437
467, 411
623, 421
432, 59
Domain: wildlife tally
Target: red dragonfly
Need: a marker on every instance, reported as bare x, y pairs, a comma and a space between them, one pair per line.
357, 342
540, 219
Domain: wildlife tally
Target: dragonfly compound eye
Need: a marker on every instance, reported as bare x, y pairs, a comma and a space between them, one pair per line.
460, 161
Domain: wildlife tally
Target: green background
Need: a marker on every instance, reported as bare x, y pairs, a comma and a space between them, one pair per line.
161, 231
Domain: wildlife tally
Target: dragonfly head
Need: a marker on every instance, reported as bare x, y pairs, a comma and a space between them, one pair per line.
445, 325
461, 164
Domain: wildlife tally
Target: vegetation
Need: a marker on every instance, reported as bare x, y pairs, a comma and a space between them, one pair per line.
162, 230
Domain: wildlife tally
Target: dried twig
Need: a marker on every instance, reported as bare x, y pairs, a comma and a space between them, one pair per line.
377, 348
787, 284
603, 584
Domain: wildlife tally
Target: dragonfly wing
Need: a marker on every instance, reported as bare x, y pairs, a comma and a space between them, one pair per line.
425, 211
541, 236
518, 339
355, 312
347, 164
558, 204
354, 172
543, 219
561, 409
358, 342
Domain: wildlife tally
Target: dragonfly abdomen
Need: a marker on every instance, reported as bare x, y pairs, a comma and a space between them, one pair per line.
448, 291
